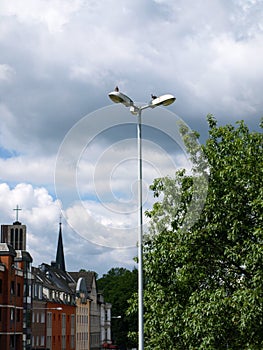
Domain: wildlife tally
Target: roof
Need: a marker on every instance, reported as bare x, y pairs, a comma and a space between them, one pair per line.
22, 255
54, 278
7, 249
87, 275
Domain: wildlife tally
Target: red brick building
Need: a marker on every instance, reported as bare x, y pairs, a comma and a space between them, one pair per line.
16, 288
11, 299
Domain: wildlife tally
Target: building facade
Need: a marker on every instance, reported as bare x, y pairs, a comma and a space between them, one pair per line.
105, 322
54, 309
88, 281
14, 236
46, 307
11, 300
82, 315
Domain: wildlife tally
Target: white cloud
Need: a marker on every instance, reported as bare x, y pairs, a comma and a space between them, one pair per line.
30, 199
40, 212
28, 169
227, 77
54, 14
59, 59
6, 73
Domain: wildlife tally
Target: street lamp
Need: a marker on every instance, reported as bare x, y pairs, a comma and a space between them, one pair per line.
49, 308
164, 100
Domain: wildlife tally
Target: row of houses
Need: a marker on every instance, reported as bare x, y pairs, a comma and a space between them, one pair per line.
47, 307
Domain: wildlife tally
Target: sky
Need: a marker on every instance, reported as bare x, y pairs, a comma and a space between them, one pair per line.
68, 153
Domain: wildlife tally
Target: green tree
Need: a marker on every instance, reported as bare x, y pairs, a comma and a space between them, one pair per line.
204, 279
118, 285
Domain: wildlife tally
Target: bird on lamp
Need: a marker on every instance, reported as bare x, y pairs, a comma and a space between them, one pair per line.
116, 89
153, 96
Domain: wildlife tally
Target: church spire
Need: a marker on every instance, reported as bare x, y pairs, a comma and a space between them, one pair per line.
60, 260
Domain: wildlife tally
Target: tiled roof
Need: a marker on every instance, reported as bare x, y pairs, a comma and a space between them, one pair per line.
54, 278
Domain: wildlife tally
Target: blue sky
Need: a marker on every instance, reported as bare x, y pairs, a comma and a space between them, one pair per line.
59, 59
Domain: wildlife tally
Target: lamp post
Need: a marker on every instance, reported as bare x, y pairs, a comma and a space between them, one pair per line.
114, 333
164, 100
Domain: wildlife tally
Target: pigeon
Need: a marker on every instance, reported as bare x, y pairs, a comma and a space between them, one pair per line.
116, 89
153, 96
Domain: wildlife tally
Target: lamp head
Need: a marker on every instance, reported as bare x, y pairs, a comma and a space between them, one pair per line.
164, 100
119, 97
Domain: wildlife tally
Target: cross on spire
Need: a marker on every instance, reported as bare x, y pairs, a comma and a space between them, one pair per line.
17, 209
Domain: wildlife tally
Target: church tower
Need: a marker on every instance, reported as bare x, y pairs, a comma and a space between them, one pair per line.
15, 234
19, 276
60, 260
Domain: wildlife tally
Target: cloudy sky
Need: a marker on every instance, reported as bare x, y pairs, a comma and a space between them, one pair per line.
64, 147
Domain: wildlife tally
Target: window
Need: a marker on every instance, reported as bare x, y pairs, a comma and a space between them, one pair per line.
20, 239
40, 292
12, 341
48, 342
72, 342
35, 289
12, 237
16, 239
42, 340
12, 314
63, 321
12, 287
63, 345
49, 320
72, 324
18, 315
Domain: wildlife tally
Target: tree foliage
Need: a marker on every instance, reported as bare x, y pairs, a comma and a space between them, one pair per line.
204, 280
118, 285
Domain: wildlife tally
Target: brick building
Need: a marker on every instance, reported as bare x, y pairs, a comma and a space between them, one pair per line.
16, 279
46, 307
54, 309
11, 300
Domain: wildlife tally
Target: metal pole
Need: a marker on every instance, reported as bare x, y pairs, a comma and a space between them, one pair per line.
140, 235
